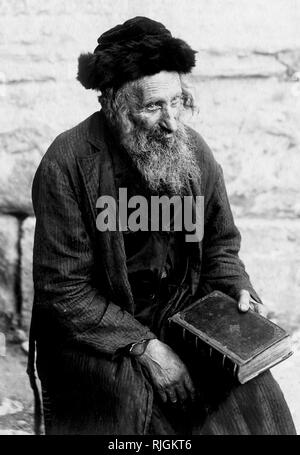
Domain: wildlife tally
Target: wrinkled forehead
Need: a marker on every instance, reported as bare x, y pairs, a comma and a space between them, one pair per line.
161, 86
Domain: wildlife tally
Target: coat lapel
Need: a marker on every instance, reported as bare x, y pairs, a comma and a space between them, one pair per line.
195, 188
196, 247
97, 174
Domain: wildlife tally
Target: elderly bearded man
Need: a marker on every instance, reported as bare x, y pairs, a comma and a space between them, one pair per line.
102, 297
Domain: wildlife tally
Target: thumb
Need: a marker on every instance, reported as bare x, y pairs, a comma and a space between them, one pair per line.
244, 300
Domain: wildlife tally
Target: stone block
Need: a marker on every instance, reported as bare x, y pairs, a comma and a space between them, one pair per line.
46, 108
250, 124
252, 127
9, 237
238, 64
222, 25
57, 7
271, 253
20, 154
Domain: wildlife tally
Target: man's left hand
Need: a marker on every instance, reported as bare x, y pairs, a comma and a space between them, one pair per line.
244, 304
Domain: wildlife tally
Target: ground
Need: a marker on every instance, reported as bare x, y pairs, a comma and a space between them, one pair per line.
16, 408
16, 400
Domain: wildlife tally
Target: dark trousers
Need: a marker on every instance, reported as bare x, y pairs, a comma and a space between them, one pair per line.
255, 408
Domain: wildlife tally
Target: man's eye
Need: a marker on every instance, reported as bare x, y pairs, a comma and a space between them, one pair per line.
176, 102
152, 107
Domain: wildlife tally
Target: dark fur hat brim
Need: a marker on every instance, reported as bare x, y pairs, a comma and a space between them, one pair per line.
121, 62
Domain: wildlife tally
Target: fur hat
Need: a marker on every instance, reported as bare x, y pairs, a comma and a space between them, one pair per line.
139, 47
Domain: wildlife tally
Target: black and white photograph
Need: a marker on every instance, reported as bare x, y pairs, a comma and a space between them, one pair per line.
149, 220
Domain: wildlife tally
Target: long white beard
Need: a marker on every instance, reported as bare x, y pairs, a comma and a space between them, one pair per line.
166, 164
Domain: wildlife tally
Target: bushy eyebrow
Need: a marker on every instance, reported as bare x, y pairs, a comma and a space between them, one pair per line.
155, 100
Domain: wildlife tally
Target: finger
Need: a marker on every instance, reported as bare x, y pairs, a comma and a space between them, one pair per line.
244, 300
189, 387
162, 395
181, 393
171, 395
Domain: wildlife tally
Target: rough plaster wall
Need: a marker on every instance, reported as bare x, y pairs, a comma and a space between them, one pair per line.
249, 113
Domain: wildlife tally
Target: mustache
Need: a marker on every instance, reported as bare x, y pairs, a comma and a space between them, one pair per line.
160, 134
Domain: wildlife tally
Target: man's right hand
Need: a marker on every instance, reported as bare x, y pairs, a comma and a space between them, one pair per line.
168, 373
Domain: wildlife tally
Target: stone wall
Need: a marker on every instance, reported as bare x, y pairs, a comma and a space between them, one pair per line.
248, 93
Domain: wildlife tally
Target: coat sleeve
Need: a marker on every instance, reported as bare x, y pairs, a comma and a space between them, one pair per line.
222, 269
63, 270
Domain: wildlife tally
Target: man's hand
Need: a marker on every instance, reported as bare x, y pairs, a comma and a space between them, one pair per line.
168, 373
244, 304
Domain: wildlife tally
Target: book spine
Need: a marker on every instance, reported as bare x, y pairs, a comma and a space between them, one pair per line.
204, 350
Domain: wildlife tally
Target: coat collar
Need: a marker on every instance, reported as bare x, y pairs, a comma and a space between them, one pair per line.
97, 129
95, 164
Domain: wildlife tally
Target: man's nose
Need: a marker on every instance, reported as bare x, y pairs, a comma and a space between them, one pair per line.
168, 120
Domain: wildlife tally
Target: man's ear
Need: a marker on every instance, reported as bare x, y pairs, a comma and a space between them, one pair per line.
125, 121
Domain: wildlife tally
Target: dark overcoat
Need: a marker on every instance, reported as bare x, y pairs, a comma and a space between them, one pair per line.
83, 311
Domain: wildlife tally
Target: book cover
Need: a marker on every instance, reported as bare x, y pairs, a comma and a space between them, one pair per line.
248, 340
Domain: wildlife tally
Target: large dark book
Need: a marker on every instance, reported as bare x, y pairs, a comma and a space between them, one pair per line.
245, 344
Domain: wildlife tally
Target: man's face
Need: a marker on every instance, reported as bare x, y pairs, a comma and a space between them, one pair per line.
160, 101
156, 138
